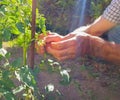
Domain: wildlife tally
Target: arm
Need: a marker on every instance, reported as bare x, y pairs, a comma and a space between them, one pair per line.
106, 50
98, 27
109, 19
82, 44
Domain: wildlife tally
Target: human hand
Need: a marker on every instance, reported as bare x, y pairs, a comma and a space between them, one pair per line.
69, 46
40, 43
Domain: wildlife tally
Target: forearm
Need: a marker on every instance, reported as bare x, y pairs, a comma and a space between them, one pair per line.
90, 29
105, 50
98, 27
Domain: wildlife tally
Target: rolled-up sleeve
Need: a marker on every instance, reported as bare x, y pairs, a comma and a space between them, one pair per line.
112, 12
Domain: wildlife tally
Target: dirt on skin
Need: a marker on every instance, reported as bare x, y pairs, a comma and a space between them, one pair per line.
91, 78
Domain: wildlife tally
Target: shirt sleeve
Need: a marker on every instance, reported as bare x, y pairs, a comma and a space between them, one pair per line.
112, 12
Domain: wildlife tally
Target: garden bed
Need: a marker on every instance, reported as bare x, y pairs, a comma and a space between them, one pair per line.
91, 79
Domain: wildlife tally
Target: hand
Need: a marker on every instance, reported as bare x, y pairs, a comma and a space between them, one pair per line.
69, 46
40, 43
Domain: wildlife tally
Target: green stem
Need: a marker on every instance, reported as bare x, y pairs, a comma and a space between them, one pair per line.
24, 56
0, 40
24, 52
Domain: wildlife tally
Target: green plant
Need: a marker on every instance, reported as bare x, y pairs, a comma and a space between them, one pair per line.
58, 14
16, 20
12, 72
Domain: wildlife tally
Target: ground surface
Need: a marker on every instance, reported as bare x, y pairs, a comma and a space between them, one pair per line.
91, 79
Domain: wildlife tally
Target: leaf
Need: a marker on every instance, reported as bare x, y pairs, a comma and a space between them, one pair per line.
6, 81
23, 40
3, 52
17, 62
28, 22
65, 77
20, 1
6, 34
25, 75
14, 30
18, 89
8, 95
42, 24
19, 40
2, 14
8, 55
20, 27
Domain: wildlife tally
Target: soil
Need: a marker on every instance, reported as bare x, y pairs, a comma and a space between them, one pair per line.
91, 78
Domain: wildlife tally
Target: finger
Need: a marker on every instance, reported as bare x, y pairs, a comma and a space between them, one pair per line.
53, 52
61, 53
56, 37
68, 51
63, 44
66, 57
41, 36
52, 38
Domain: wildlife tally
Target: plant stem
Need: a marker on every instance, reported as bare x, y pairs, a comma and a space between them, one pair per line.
24, 56
0, 40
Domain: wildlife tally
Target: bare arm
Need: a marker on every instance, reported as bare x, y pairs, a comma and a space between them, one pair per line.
98, 27
108, 51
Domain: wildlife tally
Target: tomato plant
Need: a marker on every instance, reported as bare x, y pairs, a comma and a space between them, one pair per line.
16, 20
15, 26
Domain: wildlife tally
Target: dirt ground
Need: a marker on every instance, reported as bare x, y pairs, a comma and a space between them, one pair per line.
91, 78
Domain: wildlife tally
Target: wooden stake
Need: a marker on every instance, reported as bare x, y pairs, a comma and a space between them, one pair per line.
32, 47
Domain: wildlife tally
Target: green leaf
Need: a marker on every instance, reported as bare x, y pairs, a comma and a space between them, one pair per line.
6, 34
23, 40
17, 62
8, 95
25, 75
6, 81
8, 55
65, 77
20, 27
15, 31
2, 14
19, 40
20, 1
18, 89
42, 24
